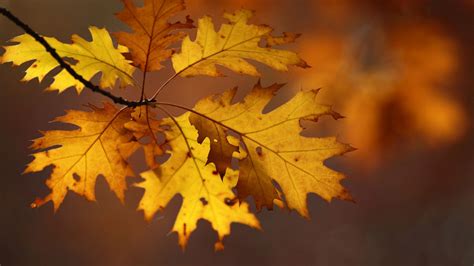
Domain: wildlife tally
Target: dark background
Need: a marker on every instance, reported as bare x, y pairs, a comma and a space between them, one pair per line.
412, 176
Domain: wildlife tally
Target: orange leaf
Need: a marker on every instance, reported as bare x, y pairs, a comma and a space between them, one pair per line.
152, 33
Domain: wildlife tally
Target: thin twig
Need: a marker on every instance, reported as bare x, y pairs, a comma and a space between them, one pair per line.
66, 66
153, 98
162, 87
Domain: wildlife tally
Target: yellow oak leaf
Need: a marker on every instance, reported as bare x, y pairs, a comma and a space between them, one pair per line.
231, 46
145, 128
152, 33
275, 149
91, 58
80, 156
205, 195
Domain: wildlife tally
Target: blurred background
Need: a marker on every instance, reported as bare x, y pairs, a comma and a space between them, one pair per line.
400, 71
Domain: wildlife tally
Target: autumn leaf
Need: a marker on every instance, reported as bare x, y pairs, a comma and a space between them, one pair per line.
152, 33
231, 46
144, 128
221, 150
97, 56
80, 156
276, 151
205, 195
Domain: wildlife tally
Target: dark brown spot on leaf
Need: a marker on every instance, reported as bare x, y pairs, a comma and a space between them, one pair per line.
203, 201
230, 202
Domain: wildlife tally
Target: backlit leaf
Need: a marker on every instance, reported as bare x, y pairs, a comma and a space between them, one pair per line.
231, 47
205, 195
80, 156
152, 34
97, 56
276, 151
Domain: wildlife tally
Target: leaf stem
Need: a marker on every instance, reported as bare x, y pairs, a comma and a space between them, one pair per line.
142, 96
195, 112
147, 113
152, 99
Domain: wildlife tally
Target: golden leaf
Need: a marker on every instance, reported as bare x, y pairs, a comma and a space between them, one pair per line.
275, 149
80, 156
97, 56
144, 128
152, 33
205, 195
231, 46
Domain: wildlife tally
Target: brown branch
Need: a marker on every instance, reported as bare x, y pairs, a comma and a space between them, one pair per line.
66, 66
